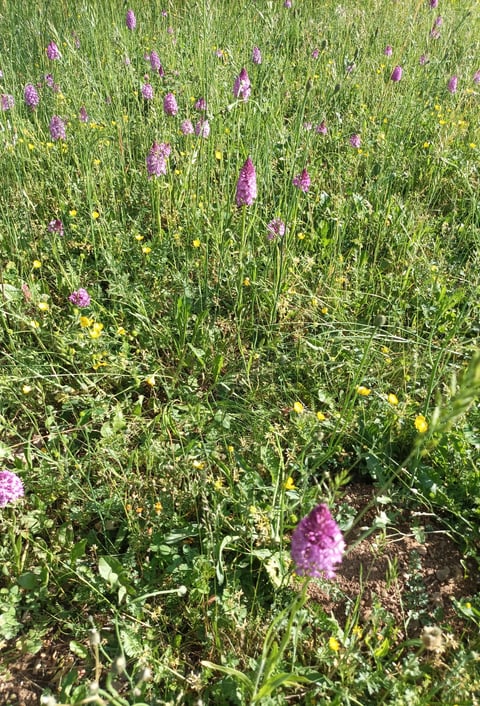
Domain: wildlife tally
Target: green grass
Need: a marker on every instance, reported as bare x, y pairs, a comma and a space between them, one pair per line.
156, 452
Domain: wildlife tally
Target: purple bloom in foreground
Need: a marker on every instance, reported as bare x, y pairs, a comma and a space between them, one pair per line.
476, 77
287, 4
80, 298
321, 128
434, 33
388, 51
57, 128
302, 181
147, 91
157, 159
53, 52
170, 104
396, 74
317, 544
202, 128
186, 127
433, 4
423, 60
355, 140
452, 84
130, 20
256, 55
11, 488
242, 87
55, 226
275, 229
83, 115
6, 101
438, 22
31, 96
246, 185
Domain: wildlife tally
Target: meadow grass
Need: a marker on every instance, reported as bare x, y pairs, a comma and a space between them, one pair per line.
220, 383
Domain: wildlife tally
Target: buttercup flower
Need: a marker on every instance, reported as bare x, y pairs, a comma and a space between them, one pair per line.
53, 52
80, 298
421, 424
57, 128
302, 181
11, 488
170, 104
31, 96
130, 20
317, 544
242, 87
246, 185
157, 159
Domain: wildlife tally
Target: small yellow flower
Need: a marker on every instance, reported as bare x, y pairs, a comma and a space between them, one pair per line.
43, 306
392, 399
421, 424
218, 155
363, 391
199, 465
85, 322
357, 631
246, 282
230, 449
150, 380
34, 323
426, 145
146, 249
321, 417
96, 162
96, 330
26, 389
289, 484
298, 407
301, 236
333, 644
36, 264
324, 310
139, 237
158, 507
121, 331
72, 213
95, 215
196, 243
30, 146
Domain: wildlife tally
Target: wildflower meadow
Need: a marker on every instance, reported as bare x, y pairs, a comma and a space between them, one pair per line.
239, 352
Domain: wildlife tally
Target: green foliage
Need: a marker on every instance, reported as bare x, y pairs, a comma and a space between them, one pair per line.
220, 384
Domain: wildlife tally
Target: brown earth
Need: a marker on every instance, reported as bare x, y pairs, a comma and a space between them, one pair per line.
390, 568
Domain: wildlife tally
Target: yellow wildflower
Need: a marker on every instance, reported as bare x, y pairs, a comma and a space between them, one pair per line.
363, 391
392, 399
43, 306
333, 644
298, 408
96, 330
321, 417
36, 264
196, 243
421, 423
289, 484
